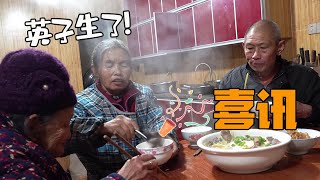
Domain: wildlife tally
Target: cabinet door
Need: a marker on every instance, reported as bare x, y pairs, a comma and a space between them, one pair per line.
203, 23
168, 5
186, 30
224, 20
245, 17
182, 2
131, 6
167, 35
145, 39
155, 6
142, 8
133, 42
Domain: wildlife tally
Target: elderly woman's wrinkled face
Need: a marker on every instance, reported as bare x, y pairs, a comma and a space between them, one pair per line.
114, 71
54, 134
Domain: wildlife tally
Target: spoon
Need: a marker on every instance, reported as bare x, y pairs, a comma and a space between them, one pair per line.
151, 137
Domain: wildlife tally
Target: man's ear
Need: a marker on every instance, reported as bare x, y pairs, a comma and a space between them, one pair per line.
280, 47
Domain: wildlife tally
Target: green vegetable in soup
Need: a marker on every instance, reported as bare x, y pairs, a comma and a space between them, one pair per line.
242, 142
239, 140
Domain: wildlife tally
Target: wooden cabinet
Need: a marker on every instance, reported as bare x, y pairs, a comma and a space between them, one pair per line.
246, 18
155, 6
131, 6
224, 20
203, 23
168, 5
142, 9
166, 31
146, 39
188, 24
186, 30
133, 42
182, 2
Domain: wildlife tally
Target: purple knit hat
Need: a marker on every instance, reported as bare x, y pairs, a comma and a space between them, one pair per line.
34, 82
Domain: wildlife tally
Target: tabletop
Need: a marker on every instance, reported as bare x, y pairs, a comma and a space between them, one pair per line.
186, 166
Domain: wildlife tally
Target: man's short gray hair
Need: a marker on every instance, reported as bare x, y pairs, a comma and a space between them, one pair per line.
107, 45
263, 24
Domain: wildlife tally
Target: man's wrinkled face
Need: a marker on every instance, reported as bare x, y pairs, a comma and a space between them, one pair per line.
261, 50
114, 70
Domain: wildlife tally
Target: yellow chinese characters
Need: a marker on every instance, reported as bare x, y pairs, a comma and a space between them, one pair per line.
233, 109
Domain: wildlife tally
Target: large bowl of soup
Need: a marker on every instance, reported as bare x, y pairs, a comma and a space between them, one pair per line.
244, 151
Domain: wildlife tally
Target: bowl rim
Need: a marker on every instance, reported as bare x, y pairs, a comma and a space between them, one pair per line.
242, 151
314, 138
150, 149
205, 129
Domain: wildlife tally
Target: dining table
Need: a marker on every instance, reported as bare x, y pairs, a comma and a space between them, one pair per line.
292, 167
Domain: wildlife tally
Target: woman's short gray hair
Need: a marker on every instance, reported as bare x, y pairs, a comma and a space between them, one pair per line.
107, 45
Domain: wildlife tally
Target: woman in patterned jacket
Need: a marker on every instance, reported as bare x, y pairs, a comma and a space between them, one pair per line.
113, 104
36, 105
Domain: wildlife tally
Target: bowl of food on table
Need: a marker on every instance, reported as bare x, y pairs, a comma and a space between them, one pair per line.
193, 134
244, 151
302, 140
162, 152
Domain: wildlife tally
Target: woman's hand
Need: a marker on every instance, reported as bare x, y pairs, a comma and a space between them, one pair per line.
121, 125
139, 167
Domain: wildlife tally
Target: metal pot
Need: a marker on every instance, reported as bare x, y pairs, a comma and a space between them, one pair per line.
197, 89
214, 83
163, 87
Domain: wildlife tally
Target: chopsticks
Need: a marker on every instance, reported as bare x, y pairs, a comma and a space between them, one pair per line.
108, 139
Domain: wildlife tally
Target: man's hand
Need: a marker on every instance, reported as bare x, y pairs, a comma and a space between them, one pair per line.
121, 125
139, 167
303, 110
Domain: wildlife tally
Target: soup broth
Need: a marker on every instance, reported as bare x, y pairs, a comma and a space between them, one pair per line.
242, 142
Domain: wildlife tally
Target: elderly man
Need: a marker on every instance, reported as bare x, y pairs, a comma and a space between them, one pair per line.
113, 104
266, 69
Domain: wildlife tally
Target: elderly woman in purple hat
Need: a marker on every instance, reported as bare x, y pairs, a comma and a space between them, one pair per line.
36, 105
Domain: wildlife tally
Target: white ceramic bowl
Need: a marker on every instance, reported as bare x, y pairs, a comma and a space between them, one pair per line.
246, 161
193, 134
302, 146
162, 154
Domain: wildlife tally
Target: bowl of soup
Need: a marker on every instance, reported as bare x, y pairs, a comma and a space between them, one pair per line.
161, 153
193, 134
302, 140
244, 151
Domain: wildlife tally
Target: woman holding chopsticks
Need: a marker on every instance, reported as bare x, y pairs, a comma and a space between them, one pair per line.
113, 105
36, 105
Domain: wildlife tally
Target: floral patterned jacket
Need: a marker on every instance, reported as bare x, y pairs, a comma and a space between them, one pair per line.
21, 158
